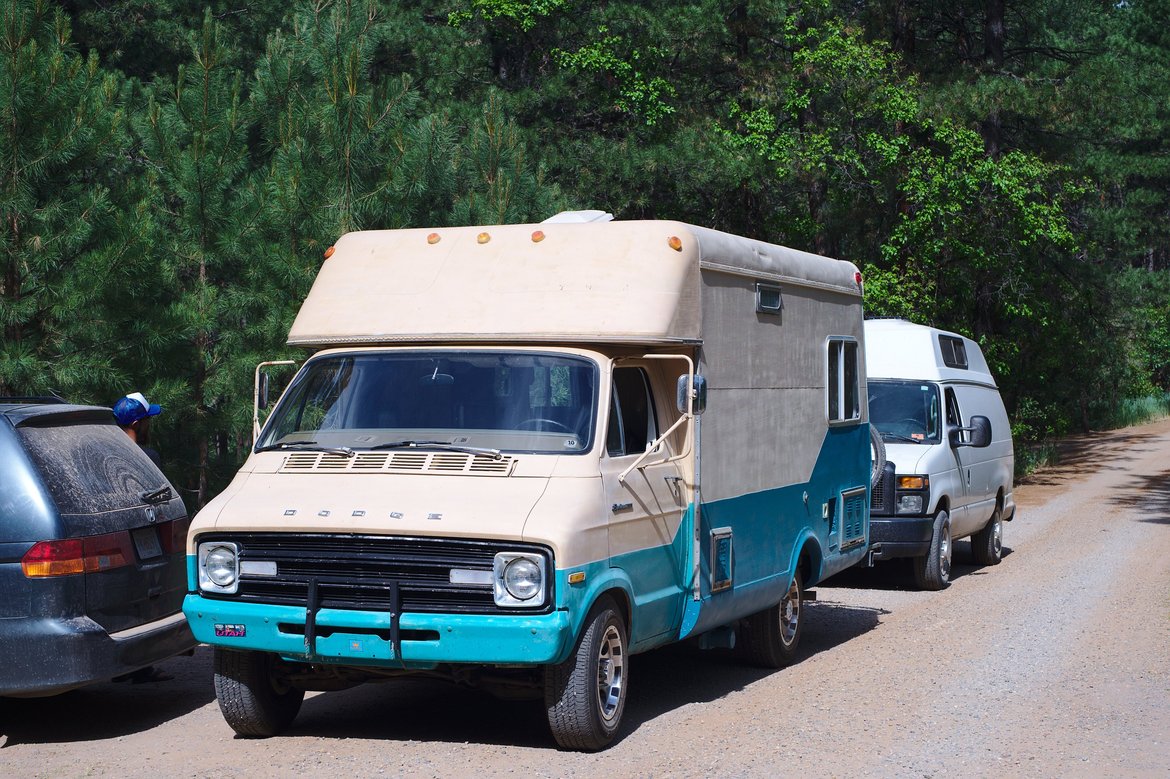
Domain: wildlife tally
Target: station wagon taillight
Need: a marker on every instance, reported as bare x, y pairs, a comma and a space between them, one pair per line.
69, 556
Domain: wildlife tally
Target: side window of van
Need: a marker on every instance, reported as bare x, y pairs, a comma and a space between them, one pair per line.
954, 418
632, 422
844, 403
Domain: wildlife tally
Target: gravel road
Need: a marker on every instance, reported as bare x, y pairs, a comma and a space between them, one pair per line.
1054, 663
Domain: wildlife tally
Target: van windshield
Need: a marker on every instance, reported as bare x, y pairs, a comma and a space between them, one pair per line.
905, 411
438, 399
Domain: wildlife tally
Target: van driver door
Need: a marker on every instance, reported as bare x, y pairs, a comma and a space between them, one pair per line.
645, 508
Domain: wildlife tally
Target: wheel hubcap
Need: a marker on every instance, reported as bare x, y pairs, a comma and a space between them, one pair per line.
611, 667
997, 536
790, 614
944, 553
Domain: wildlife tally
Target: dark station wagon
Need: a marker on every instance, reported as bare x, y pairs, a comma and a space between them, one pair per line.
92, 556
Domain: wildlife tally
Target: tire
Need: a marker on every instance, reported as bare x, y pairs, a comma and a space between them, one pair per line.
878, 456
773, 634
251, 698
585, 696
987, 544
932, 571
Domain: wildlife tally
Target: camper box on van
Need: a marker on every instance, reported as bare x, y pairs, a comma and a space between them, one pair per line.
949, 459
519, 454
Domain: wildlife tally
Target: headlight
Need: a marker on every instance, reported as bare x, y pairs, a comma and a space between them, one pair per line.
218, 566
519, 579
909, 504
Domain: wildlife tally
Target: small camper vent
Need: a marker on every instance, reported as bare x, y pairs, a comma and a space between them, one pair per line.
954, 351
399, 462
853, 514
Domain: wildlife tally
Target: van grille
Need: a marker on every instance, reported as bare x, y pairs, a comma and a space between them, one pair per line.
399, 462
360, 572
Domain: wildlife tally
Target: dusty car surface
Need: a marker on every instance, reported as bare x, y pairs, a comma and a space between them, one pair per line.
92, 566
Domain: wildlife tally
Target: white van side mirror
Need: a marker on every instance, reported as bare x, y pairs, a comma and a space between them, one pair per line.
699, 403
977, 435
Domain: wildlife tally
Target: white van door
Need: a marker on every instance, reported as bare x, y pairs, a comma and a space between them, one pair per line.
645, 509
981, 463
967, 461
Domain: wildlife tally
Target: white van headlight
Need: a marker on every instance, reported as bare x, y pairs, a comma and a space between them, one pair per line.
219, 566
519, 579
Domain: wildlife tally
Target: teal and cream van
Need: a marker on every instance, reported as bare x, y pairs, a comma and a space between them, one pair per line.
518, 455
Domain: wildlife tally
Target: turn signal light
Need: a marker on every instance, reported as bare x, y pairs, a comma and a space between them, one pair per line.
913, 482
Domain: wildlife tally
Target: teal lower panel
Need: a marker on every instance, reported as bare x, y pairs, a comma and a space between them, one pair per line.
362, 638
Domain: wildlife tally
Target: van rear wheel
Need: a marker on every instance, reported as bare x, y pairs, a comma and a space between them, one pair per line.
987, 544
584, 697
252, 698
774, 633
932, 571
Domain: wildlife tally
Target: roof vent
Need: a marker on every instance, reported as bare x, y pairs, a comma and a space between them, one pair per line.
579, 217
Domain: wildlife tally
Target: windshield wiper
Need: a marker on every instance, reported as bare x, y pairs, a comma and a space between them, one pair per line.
901, 437
312, 446
493, 453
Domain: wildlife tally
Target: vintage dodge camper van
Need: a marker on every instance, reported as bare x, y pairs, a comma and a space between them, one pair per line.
520, 454
949, 458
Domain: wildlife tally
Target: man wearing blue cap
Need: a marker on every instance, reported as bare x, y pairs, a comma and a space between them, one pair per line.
133, 413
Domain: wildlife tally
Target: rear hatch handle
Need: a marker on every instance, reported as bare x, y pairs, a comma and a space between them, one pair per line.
155, 497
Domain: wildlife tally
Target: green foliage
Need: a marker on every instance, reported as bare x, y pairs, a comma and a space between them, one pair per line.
176, 170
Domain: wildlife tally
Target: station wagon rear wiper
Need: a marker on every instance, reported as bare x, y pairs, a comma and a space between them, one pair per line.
493, 453
312, 446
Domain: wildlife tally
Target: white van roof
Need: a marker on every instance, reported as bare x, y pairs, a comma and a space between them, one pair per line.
897, 349
593, 281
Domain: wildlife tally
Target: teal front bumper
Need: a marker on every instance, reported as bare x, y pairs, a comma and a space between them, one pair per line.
364, 638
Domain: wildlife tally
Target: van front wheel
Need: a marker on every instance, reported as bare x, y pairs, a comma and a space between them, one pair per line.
932, 571
585, 696
252, 698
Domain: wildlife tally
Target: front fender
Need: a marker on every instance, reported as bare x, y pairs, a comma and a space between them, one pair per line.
579, 598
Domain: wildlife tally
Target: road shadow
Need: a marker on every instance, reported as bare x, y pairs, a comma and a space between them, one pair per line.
1151, 496
1108, 451
110, 709
662, 681
898, 574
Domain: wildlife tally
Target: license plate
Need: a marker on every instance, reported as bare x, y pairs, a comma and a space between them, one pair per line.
146, 542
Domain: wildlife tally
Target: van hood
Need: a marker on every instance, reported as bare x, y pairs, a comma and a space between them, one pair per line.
907, 457
376, 503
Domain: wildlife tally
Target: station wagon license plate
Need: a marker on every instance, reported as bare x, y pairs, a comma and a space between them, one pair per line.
146, 542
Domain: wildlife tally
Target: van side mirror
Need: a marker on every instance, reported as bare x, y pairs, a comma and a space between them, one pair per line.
977, 435
699, 397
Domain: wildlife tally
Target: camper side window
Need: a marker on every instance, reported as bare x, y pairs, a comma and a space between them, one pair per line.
841, 385
632, 422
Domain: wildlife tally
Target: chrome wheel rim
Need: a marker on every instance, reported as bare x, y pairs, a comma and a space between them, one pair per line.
611, 673
997, 536
944, 552
790, 614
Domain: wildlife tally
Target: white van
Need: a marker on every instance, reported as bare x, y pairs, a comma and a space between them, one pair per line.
950, 462
519, 454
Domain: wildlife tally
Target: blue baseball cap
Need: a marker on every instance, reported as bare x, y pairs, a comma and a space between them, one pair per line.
134, 407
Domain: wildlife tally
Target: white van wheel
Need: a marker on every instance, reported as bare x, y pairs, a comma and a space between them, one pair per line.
932, 571
253, 701
774, 633
987, 544
585, 696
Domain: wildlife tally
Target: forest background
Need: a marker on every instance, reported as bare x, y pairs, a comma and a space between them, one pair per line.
172, 172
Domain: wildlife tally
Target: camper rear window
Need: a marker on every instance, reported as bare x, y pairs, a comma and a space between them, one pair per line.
842, 382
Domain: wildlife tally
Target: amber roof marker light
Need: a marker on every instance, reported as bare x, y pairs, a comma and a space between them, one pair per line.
329, 251
433, 238
483, 238
675, 243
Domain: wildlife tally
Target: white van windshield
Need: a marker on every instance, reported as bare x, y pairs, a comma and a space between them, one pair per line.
905, 411
487, 401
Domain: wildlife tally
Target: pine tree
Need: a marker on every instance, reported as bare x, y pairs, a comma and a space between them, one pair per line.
60, 136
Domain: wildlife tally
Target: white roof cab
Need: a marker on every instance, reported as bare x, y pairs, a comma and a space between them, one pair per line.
950, 462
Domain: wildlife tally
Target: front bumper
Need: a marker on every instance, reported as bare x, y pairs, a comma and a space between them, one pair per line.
369, 638
49, 656
891, 537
